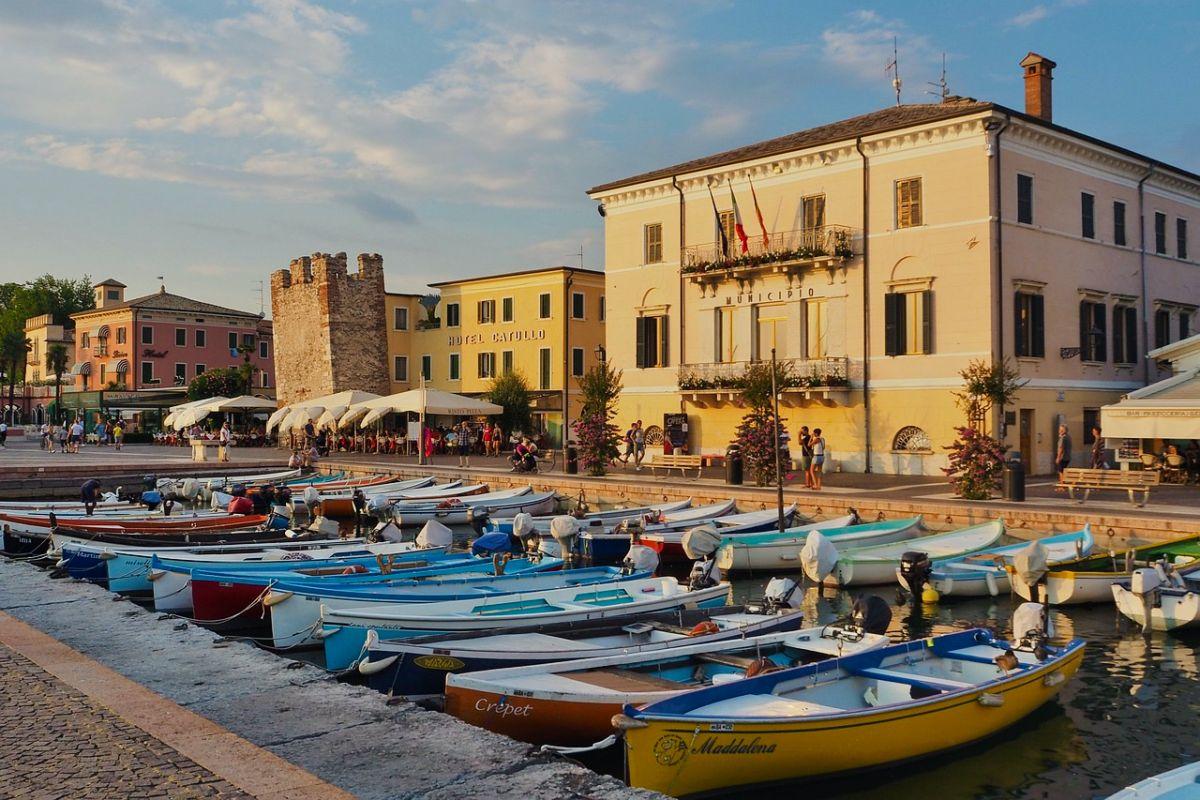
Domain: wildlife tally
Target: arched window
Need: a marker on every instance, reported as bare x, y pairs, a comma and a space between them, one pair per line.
911, 439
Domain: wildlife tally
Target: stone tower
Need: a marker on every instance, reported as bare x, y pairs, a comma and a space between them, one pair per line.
330, 332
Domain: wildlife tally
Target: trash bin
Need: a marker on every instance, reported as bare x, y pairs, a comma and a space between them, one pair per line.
572, 460
1013, 480
733, 465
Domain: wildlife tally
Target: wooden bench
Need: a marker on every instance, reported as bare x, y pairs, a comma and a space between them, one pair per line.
676, 461
1131, 481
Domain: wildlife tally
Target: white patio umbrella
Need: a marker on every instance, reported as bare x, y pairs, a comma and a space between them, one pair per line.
175, 410
425, 401
190, 416
298, 413
244, 402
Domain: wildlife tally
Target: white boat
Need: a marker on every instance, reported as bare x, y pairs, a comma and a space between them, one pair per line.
861, 566
466, 509
1160, 598
766, 552
1182, 783
504, 523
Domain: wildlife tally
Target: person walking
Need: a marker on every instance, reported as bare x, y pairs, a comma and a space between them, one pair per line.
629, 445
60, 437
118, 433
464, 444
1098, 461
806, 456
487, 439
1062, 453
818, 458
224, 436
76, 437
3, 434
47, 444
639, 445
101, 432
497, 439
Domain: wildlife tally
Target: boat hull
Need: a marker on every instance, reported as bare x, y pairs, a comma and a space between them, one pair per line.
1175, 610
693, 757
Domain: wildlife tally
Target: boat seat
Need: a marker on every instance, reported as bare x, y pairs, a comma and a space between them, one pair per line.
624, 680
927, 682
765, 705
979, 658
727, 660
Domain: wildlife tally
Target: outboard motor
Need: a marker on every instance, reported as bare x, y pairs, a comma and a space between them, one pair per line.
781, 595
915, 569
819, 557
639, 559
311, 497
634, 526
1146, 583
1030, 566
525, 536
700, 544
1032, 628
434, 534
871, 614
565, 529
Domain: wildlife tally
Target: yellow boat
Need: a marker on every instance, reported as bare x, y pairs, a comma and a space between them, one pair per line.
846, 715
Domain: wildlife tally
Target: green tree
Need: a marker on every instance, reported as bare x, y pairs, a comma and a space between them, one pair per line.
56, 363
756, 435
987, 386
13, 349
598, 438
226, 382
512, 392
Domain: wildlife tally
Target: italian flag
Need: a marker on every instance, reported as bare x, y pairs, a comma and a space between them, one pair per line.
738, 227
758, 212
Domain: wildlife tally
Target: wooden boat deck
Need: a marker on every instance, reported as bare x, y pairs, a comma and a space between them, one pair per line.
624, 680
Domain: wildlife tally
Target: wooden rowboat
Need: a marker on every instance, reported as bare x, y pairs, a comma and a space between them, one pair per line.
767, 552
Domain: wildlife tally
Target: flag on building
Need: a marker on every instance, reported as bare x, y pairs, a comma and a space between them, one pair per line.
738, 227
758, 213
720, 227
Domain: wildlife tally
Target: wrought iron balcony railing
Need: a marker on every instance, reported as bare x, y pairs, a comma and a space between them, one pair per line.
781, 247
832, 372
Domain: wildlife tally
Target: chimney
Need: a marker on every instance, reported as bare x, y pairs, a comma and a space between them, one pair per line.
1039, 71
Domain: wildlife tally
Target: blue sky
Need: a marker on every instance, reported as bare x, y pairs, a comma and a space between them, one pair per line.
211, 142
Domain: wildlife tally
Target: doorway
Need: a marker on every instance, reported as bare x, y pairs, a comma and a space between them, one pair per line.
1025, 425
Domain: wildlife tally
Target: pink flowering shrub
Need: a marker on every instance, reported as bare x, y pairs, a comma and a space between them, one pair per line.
756, 436
598, 441
976, 461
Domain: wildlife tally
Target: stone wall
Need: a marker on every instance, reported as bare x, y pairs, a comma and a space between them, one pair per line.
330, 332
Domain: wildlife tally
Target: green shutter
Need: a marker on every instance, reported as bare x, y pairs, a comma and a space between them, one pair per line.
927, 321
641, 342
1037, 322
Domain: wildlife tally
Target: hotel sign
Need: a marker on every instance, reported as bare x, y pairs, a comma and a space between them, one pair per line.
532, 335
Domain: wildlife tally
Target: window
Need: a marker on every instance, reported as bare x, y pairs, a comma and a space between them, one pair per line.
652, 243
180, 337
577, 362
1091, 419
1093, 331
455, 362
147, 372
1124, 335
652, 342
485, 311
1162, 327
1029, 320
1087, 208
248, 340
816, 329
506, 310
400, 318
180, 373
102, 374
427, 367
452, 315
147, 334
908, 203
812, 210
400, 368
723, 338
506, 362
577, 305
1118, 223
1160, 233
771, 331
908, 323
262, 379
85, 341
911, 439
544, 368
544, 305
201, 337
1185, 324
602, 308
233, 340
487, 365
726, 230
112, 294
1025, 199
262, 348
1181, 238
120, 336
200, 369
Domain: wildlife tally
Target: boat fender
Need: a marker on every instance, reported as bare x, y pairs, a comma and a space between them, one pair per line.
624, 722
324, 633
704, 628
1053, 679
155, 574
62, 562
992, 587
761, 666
930, 595
107, 555
991, 700
275, 598
369, 667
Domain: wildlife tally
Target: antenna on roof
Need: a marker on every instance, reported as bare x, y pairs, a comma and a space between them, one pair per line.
943, 88
894, 68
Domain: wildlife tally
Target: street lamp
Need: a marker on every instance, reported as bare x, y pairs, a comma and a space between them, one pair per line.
601, 354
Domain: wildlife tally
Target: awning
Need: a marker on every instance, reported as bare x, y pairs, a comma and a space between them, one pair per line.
122, 366
102, 332
1169, 409
296, 414
82, 368
423, 400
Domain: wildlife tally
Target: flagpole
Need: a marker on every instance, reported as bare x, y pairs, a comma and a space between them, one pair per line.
778, 457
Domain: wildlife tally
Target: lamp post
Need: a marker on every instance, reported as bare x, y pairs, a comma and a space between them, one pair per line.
601, 354
778, 456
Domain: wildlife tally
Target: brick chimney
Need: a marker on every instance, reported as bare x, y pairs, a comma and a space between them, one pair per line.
1039, 71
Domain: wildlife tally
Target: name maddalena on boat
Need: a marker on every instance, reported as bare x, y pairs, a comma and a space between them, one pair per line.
735, 747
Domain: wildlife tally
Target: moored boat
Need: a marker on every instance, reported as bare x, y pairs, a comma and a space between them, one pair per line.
668, 543
775, 551
1181, 783
1160, 598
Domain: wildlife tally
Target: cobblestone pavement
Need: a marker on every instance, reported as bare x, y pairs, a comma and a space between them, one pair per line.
55, 743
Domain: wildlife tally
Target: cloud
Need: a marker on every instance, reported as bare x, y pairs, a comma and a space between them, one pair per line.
1027, 18
864, 46
380, 209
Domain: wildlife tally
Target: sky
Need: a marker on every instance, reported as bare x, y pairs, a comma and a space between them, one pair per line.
212, 141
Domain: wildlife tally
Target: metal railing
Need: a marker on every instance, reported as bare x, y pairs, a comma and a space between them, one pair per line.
781, 247
830, 372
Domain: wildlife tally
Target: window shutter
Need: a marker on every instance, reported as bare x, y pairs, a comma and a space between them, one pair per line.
1037, 323
1085, 351
1118, 335
1131, 337
641, 342
891, 324
664, 357
927, 321
1019, 323
1101, 340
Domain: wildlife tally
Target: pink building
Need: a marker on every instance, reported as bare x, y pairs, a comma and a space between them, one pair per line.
163, 340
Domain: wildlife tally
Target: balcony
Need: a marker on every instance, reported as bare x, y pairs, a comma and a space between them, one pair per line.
825, 380
785, 252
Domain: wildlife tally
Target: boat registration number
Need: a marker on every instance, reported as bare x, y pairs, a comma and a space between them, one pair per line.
721, 726
445, 663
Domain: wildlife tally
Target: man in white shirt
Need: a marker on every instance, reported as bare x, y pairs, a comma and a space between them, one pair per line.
76, 435
3, 434
223, 437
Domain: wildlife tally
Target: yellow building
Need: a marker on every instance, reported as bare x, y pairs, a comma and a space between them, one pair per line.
546, 323
895, 248
42, 332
